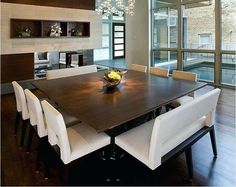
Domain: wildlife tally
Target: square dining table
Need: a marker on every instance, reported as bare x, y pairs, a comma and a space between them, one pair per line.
86, 97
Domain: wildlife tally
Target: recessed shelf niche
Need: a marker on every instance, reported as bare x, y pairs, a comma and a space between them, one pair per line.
25, 28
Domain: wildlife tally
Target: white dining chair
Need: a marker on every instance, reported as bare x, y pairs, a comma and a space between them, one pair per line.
159, 72
74, 142
187, 76
67, 72
37, 118
137, 67
172, 133
22, 111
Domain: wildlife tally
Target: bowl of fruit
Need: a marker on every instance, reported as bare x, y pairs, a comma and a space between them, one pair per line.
112, 78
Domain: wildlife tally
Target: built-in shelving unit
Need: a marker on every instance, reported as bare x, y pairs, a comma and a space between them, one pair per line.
26, 28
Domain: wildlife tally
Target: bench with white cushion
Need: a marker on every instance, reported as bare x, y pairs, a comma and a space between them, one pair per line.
172, 133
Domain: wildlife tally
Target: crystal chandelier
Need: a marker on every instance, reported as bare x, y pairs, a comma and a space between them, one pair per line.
118, 7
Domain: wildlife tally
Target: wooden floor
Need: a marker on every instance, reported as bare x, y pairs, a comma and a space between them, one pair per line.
18, 168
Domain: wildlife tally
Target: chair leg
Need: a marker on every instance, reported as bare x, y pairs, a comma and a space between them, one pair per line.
16, 122
31, 133
39, 149
24, 125
66, 172
188, 154
213, 141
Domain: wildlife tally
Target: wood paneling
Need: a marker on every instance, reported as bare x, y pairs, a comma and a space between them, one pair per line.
77, 4
17, 67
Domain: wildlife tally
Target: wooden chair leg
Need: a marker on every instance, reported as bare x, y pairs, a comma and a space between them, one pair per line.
213, 141
24, 125
30, 139
188, 154
16, 122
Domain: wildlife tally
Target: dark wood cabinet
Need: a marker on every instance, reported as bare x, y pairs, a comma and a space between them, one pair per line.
25, 28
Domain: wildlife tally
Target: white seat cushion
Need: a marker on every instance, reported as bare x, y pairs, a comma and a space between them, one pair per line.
182, 100
84, 140
137, 141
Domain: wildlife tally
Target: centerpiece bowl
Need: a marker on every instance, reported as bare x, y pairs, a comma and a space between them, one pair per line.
112, 78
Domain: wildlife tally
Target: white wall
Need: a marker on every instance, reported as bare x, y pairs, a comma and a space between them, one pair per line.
11, 46
137, 35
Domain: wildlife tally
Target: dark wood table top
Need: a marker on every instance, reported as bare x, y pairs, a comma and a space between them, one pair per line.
137, 94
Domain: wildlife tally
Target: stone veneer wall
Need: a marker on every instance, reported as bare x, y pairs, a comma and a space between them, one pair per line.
20, 11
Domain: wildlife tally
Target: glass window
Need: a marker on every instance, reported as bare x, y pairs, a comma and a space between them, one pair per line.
105, 41
228, 24
119, 47
199, 18
165, 25
204, 39
105, 28
119, 41
119, 28
228, 70
200, 63
119, 34
165, 59
119, 53
101, 54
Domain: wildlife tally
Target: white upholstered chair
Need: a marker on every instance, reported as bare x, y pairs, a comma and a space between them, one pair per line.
74, 60
137, 67
172, 133
159, 72
188, 76
37, 118
67, 72
22, 110
74, 142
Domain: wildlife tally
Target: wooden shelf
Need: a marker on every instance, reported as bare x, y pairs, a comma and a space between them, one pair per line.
25, 28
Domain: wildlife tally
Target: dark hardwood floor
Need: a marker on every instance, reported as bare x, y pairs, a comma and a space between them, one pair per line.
18, 168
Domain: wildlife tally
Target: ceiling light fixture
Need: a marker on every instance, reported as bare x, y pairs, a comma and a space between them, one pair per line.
118, 7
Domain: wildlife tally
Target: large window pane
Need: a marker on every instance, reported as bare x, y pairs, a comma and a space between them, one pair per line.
228, 24
165, 25
101, 54
105, 29
165, 59
200, 63
199, 24
228, 70
105, 41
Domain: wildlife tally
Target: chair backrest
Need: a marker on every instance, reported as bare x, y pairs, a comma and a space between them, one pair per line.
36, 113
159, 71
21, 104
174, 127
67, 72
137, 67
57, 133
183, 75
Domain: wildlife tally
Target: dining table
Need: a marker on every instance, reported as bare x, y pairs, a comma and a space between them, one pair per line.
86, 96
